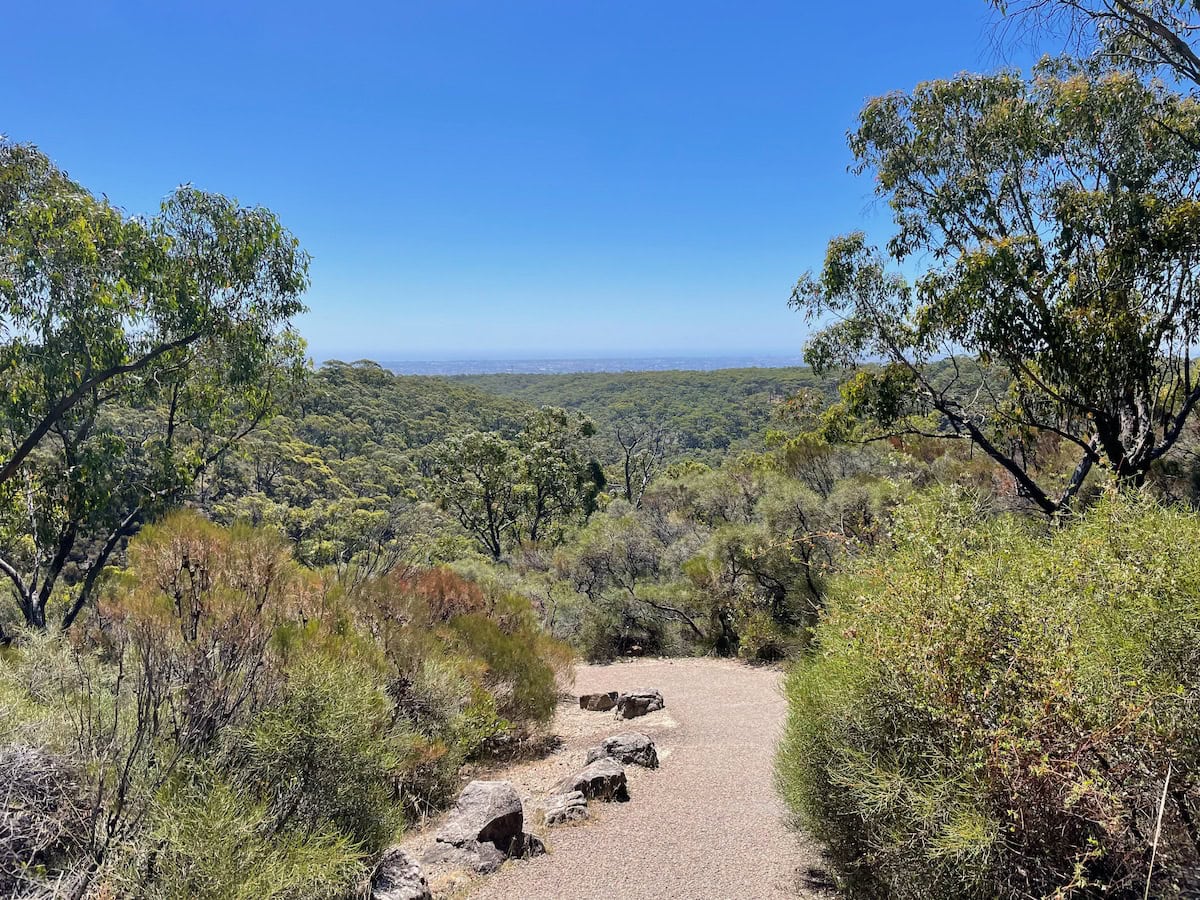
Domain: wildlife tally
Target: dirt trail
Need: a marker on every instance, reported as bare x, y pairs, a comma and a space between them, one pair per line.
706, 825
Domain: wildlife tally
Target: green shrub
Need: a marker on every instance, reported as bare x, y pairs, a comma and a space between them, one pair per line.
991, 710
324, 755
212, 842
228, 709
522, 680
481, 633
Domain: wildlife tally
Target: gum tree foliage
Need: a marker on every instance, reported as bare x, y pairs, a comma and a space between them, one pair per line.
1141, 34
337, 470
502, 491
1053, 224
133, 353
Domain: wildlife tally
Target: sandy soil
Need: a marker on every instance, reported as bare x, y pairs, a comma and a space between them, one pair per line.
706, 825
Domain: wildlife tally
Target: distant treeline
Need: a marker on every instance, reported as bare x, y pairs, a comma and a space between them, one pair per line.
706, 411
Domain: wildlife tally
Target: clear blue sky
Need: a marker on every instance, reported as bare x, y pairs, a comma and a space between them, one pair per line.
558, 178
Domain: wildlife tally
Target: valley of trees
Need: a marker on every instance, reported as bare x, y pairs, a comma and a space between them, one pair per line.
703, 415
258, 617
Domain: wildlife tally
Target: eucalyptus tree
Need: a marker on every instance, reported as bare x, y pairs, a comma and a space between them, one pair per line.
473, 476
645, 447
503, 491
559, 480
1051, 229
1135, 34
133, 353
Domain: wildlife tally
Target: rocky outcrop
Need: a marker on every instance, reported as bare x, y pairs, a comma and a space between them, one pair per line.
486, 827
598, 702
568, 807
603, 779
638, 703
398, 877
631, 748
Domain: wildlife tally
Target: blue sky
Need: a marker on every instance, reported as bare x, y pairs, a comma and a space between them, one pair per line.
551, 178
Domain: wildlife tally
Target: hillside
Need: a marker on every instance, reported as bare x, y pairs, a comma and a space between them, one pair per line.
708, 411
352, 404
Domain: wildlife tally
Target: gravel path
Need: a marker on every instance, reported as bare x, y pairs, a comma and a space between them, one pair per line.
706, 824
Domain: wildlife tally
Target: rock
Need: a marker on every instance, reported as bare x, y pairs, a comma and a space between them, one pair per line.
598, 702
532, 846
398, 877
483, 858
485, 827
486, 811
604, 779
568, 807
631, 748
638, 703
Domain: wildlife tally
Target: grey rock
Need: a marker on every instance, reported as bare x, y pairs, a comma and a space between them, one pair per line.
631, 748
602, 780
486, 826
568, 807
532, 846
598, 702
484, 858
638, 703
398, 877
486, 811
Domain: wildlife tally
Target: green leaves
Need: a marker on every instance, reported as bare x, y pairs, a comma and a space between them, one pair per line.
1050, 224
502, 491
180, 323
990, 702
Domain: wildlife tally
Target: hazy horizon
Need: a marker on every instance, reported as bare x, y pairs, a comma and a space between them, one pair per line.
562, 365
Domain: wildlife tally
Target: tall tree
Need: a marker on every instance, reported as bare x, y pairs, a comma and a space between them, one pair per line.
1054, 227
1134, 34
504, 491
558, 479
134, 353
645, 447
473, 476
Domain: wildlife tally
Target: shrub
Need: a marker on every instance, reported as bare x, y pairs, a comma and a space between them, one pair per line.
324, 754
212, 842
242, 726
483, 633
515, 672
991, 710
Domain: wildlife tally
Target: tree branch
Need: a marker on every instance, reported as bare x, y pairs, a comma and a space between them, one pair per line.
64, 405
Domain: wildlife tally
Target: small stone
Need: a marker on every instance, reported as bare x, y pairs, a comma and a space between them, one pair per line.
598, 702
398, 877
533, 846
569, 807
604, 779
475, 856
631, 748
639, 703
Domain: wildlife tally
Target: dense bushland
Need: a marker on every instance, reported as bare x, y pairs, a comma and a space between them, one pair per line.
229, 723
706, 414
992, 708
